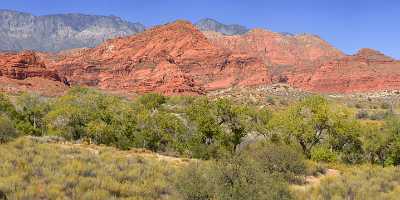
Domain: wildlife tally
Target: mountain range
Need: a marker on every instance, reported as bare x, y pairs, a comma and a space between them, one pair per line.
178, 58
20, 31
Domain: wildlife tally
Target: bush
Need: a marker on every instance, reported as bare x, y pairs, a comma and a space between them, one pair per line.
362, 114
359, 105
271, 100
7, 131
238, 178
151, 100
323, 154
280, 159
365, 183
385, 105
378, 115
6, 107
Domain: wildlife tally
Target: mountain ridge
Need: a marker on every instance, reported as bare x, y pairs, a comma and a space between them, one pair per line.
20, 30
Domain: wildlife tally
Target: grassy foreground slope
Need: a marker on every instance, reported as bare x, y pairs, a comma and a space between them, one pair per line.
30, 170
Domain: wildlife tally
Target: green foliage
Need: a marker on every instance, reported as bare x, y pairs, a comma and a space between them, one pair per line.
208, 138
161, 132
7, 131
6, 107
238, 178
307, 122
382, 144
89, 114
323, 154
279, 159
195, 182
271, 100
314, 121
31, 109
152, 100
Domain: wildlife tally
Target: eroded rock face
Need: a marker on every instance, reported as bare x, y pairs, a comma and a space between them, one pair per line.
309, 63
25, 65
277, 49
174, 58
366, 71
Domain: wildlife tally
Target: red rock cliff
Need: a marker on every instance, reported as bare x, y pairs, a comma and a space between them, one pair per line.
174, 58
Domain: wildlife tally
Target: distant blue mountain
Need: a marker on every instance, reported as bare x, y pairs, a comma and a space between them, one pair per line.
20, 30
213, 25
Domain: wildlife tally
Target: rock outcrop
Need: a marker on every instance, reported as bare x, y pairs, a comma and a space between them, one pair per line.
23, 65
26, 72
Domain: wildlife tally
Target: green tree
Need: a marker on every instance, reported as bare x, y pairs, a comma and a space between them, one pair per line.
307, 122
393, 146
230, 116
31, 109
207, 137
89, 114
6, 107
151, 100
161, 131
314, 121
375, 144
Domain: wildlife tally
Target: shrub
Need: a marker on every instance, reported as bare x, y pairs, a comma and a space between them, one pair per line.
280, 159
6, 107
31, 109
378, 115
236, 178
323, 154
151, 100
270, 100
7, 131
359, 105
362, 114
385, 105
367, 183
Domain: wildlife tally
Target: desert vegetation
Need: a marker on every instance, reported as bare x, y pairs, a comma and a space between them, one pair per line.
229, 150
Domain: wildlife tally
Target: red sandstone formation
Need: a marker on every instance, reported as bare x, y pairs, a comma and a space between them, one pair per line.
309, 63
366, 71
284, 54
24, 65
174, 58
278, 49
25, 71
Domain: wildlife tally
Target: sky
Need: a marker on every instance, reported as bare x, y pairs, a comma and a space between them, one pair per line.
347, 24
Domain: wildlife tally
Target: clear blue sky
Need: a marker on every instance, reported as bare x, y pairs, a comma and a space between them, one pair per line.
347, 24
